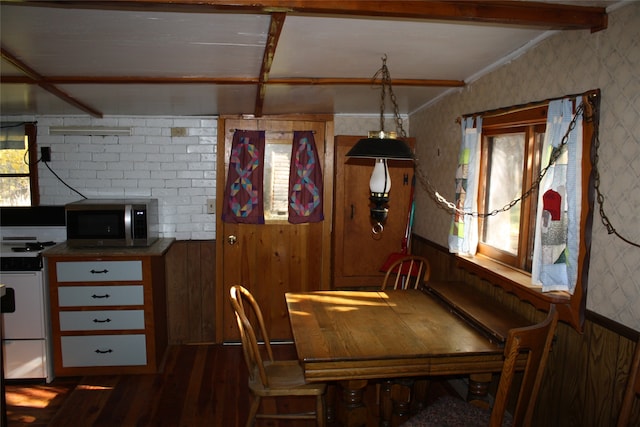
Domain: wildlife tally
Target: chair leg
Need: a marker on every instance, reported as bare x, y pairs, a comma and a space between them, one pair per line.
255, 405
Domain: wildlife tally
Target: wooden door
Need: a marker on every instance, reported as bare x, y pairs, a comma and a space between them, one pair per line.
276, 257
358, 253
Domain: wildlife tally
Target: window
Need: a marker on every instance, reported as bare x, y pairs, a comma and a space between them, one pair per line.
517, 146
277, 161
511, 145
18, 165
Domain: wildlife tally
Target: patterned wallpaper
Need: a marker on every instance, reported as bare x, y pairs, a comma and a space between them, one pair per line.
361, 125
565, 63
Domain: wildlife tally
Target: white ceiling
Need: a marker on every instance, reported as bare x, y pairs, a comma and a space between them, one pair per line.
208, 61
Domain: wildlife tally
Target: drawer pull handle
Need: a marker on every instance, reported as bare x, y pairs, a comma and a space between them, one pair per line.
103, 351
107, 320
99, 271
100, 296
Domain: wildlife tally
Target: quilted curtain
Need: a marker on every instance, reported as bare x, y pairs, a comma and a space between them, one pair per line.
557, 234
243, 195
463, 235
305, 180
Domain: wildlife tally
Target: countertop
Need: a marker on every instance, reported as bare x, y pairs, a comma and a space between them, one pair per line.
158, 248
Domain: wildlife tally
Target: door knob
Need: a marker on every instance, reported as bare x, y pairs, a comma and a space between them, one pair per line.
232, 239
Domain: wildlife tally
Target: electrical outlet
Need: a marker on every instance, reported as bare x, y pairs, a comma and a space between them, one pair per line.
45, 154
211, 206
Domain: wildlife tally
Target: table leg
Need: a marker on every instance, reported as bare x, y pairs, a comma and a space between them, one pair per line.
351, 410
386, 405
420, 389
394, 402
479, 389
401, 397
330, 403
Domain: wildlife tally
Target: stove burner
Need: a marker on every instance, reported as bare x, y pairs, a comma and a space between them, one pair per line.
32, 246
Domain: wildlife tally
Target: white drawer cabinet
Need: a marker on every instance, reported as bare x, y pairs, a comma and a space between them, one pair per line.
104, 350
102, 320
108, 309
99, 271
91, 296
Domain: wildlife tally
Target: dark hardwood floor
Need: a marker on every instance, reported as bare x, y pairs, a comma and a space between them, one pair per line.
201, 385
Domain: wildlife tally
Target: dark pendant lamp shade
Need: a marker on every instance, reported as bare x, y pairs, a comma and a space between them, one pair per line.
381, 146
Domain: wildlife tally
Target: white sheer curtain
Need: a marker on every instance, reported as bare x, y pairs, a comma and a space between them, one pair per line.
557, 234
463, 236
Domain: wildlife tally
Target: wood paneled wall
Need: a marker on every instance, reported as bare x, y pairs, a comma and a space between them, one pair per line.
585, 376
191, 285
586, 373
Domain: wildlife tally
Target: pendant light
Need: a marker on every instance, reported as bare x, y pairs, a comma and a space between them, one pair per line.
381, 145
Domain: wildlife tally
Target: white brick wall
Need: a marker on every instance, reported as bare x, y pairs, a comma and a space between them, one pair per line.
179, 171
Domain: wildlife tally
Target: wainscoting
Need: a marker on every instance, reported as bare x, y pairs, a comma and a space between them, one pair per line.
191, 286
586, 373
585, 376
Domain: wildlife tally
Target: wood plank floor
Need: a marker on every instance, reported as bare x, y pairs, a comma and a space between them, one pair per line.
201, 385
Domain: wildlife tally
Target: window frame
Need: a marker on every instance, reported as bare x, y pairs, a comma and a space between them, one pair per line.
531, 122
571, 307
270, 218
31, 132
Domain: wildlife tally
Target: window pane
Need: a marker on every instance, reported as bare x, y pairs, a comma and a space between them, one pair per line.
13, 160
16, 191
277, 161
505, 166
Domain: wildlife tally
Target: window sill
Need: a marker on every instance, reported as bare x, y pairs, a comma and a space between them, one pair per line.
511, 280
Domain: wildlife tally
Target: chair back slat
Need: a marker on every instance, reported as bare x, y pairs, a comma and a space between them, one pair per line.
536, 341
241, 300
632, 391
408, 272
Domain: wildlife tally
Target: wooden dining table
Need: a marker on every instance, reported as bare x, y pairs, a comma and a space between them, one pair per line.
353, 336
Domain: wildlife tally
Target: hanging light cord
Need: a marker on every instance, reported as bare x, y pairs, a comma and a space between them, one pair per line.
555, 154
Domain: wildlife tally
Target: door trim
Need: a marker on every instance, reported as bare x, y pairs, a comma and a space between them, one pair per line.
221, 172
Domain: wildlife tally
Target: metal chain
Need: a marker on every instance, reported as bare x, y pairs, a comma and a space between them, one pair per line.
596, 183
555, 154
385, 77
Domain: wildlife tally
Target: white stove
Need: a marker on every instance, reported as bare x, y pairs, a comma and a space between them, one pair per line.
21, 248
26, 322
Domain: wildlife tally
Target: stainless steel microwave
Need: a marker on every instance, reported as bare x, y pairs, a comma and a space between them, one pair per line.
112, 222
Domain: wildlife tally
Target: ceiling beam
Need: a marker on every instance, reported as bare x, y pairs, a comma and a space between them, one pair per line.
534, 14
44, 84
313, 81
275, 29
527, 13
299, 81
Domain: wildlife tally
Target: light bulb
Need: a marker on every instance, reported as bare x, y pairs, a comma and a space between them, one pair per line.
380, 181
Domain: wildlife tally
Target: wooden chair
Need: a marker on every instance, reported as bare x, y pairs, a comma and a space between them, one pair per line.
395, 396
534, 340
408, 272
269, 377
632, 391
